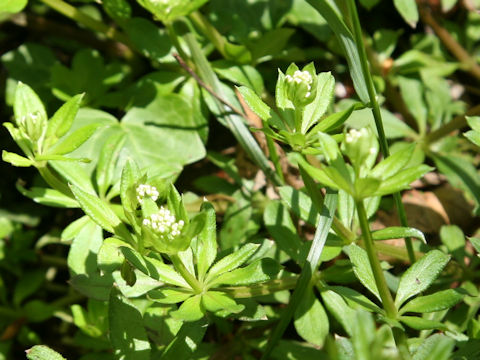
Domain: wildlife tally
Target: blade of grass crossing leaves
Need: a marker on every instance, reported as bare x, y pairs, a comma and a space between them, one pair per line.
311, 264
238, 128
345, 37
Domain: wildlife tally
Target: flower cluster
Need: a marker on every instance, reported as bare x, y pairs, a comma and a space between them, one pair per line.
146, 190
301, 77
164, 224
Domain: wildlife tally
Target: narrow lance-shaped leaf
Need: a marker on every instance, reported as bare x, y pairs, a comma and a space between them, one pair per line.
232, 261
429, 303
207, 241
42, 352
15, 159
397, 232
99, 211
420, 275
255, 103
362, 268
108, 158
74, 140
63, 118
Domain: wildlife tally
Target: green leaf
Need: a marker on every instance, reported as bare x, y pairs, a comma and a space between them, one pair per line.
169, 295
149, 39
220, 303
82, 257
408, 10
206, 251
281, 228
128, 182
473, 122
476, 244
412, 91
397, 232
401, 180
454, 239
311, 321
15, 159
473, 136
153, 267
74, 140
109, 256
300, 203
190, 310
187, 340
418, 323
48, 197
99, 211
255, 103
309, 266
74, 228
435, 347
315, 110
93, 286
460, 173
232, 261
117, 9
63, 118
167, 12
259, 270
420, 275
335, 120
440, 300
393, 164
42, 352
245, 75
107, 161
37, 311
27, 102
355, 299
127, 332
27, 285
339, 309
362, 268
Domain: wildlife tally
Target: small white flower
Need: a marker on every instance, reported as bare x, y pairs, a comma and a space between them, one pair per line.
144, 191
164, 224
301, 77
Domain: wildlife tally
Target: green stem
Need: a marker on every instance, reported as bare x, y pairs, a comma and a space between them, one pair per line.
377, 115
187, 275
380, 281
83, 19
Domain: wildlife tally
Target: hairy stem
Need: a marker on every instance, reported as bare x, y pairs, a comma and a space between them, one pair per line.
380, 281
377, 115
187, 275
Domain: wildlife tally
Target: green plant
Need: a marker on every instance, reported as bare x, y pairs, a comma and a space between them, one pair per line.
286, 232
